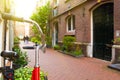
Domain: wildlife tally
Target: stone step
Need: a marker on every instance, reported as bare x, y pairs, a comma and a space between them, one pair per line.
115, 66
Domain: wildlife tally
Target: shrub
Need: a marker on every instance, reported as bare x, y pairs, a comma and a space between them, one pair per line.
22, 60
35, 40
25, 73
16, 46
48, 41
56, 47
16, 40
68, 42
64, 48
78, 52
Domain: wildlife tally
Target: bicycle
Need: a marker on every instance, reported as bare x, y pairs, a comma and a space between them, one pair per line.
36, 71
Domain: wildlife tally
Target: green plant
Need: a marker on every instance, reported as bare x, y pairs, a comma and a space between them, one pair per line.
48, 41
16, 46
56, 47
35, 40
117, 40
25, 73
16, 40
41, 16
64, 48
68, 42
78, 52
23, 58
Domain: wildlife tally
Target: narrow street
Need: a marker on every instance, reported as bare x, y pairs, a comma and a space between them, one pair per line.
63, 67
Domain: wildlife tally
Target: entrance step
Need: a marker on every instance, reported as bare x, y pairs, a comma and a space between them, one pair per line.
115, 66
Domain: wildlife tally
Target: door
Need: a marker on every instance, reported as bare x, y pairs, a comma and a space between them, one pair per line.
55, 34
103, 31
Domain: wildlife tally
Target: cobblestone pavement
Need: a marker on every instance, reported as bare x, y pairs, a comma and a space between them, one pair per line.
64, 67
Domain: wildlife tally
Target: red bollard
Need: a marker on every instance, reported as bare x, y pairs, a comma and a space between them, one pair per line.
36, 70
36, 73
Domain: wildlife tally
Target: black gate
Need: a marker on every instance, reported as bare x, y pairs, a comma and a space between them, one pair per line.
103, 31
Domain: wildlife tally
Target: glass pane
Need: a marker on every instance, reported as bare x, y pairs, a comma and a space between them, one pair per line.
69, 23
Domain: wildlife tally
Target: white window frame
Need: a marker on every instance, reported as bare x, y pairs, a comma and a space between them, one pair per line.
55, 12
72, 24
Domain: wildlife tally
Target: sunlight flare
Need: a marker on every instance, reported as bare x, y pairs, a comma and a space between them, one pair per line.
24, 8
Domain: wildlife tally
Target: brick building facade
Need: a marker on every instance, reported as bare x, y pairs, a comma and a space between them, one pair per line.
94, 24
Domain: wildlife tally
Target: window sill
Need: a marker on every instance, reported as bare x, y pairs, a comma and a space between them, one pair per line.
70, 33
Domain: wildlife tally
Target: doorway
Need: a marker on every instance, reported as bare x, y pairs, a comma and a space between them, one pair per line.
103, 31
55, 34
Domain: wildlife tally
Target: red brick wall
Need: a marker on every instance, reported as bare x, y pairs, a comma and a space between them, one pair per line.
82, 19
63, 6
116, 16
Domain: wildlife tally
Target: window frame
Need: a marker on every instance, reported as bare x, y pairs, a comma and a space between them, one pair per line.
55, 12
70, 28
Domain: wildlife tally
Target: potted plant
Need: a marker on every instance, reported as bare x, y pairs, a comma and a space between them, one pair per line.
116, 47
117, 41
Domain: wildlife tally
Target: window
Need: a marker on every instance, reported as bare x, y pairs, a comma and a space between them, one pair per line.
55, 3
55, 12
55, 8
71, 23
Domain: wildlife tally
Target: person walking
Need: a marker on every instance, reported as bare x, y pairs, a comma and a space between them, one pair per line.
26, 39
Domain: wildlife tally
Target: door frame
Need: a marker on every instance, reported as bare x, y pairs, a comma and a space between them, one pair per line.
54, 34
92, 31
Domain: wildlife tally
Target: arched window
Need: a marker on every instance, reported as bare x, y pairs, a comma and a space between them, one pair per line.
70, 23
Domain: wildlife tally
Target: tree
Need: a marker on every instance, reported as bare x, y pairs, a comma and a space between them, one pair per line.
41, 16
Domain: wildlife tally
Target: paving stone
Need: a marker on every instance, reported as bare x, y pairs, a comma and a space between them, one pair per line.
64, 67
